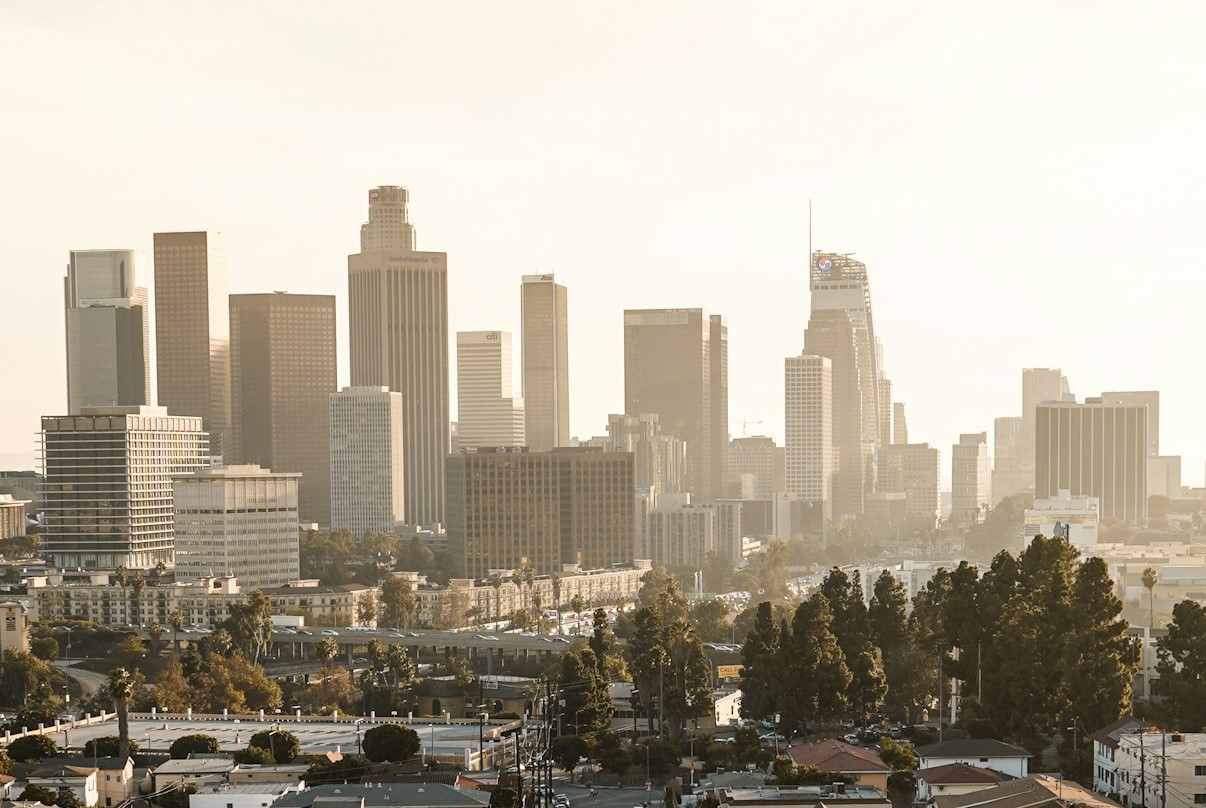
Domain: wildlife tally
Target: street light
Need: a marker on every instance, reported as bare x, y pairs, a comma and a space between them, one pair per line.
778, 718
481, 736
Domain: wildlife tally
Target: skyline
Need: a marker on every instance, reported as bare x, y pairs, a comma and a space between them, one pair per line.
1012, 159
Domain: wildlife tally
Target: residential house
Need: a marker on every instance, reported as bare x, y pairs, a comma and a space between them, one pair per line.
1038, 791
115, 780
198, 771
1162, 769
954, 779
1105, 753
243, 795
859, 763
81, 780
984, 753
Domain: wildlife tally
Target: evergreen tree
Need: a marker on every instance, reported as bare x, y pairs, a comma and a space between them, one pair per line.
1098, 664
1182, 667
761, 682
816, 668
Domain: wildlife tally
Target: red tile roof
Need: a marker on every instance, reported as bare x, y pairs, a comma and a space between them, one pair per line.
837, 756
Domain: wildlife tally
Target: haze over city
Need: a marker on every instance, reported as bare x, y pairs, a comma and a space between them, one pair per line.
1023, 180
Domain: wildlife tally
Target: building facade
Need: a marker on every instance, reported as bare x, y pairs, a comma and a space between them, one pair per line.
658, 460
14, 627
107, 490
1094, 449
676, 366
809, 419
971, 480
1009, 475
398, 330
192, 331
1148, 398
108, 330
544, 510
544, 314
1039, 386
367, 486
12, 516
1074, 518
758, 457
237, 520
283, 374
488, 412
913, 469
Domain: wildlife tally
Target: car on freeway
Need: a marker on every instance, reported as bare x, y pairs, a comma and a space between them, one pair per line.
395, 634
330, 632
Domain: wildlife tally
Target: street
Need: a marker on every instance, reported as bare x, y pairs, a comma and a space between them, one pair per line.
89, 680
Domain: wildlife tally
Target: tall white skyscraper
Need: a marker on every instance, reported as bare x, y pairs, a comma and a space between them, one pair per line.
367, 484
488, 413
545, 361
398, 330
107, 490
808, 409
971, 473
108, 330
237, 520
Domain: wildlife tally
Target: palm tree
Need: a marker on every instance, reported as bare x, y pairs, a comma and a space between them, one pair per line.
137, 584
155, 631
496, 580
121, 688
577, 604
557, 600
528, 576
176, 620
1150, 579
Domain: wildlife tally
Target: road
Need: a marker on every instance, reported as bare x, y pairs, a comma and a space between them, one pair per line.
89, 680
607, 797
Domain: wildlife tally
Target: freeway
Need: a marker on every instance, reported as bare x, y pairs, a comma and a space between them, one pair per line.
89, 680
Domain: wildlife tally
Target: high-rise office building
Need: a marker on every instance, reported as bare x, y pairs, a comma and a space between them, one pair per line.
108, 332
914, 470
192, 330
1039, 385
237, 520
510, 508
282, 376
841, 327
757, 456
809, 420
1149, 398
1095, 449
676, 366
487, 410
900, 427
545, 361
366, 460
681, 534
658, 460
398, 327
971, 480
1009, 475
107, 490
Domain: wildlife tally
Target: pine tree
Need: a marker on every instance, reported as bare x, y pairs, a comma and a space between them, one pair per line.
761, 684
1182, 667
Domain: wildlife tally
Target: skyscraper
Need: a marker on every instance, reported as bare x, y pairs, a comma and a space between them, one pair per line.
487, 411
192, 330
759, 458
1095, 449
107, 491
1008, 467
1039, 385
108, 333
282, 376
545, 361
367, 491
971, 472
1149, 398
398, 327
237, 520
676, 366
510, 508
658, 460
914, 469
900, 426
808, 409
841, 327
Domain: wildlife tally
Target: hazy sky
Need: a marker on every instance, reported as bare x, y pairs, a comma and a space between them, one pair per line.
1023, 179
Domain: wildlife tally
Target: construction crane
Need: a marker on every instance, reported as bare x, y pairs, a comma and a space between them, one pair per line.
745, 428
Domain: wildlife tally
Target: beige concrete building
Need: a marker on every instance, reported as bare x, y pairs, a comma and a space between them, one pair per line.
367, 492
398, 330
544, 315
511, 509
283, 374
762, 460
914, 469
14, 627
487, 410
107, 491
1039, 386
108, 330
1147, 398
1009, 474
1095, 449
676, 366
237, 520
192, 331
12, 516
659, 460
971, 478
809, 422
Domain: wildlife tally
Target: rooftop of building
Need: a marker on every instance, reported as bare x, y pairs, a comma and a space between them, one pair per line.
802, 795
1109, 734
388, 794
248, 470
195, 765
972, 747
837, 756
1027, 792
959, 774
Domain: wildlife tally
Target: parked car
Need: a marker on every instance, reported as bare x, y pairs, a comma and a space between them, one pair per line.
850, 738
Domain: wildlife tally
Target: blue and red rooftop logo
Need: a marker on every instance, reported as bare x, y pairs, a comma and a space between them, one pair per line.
824, 264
